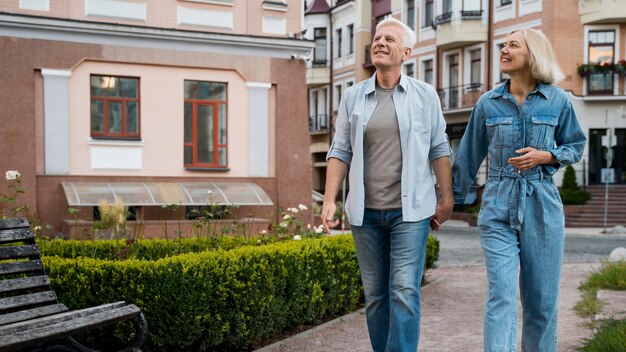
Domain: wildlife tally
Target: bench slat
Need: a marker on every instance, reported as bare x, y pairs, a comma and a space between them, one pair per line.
33, 313
53, 319
13, 235
13, 223
21, 267
27, 300
24, 283
15, 252
35, 336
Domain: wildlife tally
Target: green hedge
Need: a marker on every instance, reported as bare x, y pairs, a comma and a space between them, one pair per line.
145, 249
217, 299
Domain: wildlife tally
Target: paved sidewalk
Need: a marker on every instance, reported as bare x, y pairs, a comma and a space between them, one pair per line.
452, 310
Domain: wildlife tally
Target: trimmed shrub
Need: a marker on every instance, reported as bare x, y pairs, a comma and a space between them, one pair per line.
570, 192
210, 298
219, 300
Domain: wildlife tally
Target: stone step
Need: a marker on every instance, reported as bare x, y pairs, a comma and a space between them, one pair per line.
613, 304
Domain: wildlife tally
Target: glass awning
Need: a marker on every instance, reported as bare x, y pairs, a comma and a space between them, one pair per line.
165, 193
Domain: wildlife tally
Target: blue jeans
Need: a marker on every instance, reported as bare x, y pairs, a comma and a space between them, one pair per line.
531, 257
391, 256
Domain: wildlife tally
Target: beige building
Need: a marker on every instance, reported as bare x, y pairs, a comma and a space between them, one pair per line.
155, 102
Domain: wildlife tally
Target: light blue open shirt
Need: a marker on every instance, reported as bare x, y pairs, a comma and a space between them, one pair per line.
422, 138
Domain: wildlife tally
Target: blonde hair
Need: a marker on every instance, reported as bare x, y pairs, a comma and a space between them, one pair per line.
408, 39
541, 59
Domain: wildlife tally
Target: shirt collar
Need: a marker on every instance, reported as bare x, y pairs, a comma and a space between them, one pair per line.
542, 88
371, 84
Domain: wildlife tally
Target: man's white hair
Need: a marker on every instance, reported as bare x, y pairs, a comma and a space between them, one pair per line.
408, 39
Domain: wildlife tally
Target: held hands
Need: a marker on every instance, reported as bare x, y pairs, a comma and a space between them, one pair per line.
530, 158
328, 212
442, 214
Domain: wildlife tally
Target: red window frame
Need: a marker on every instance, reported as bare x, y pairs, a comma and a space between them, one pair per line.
195, 103
124, 134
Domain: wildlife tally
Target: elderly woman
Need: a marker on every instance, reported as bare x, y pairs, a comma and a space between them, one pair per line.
529, 129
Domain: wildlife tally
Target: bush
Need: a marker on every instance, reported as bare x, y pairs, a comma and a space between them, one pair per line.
570, 192
211, 298
219, 300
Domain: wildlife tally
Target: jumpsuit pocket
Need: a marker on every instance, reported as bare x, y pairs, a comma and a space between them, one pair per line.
500, 130
542, 131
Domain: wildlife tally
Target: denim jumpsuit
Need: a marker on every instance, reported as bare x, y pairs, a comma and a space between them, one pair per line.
521, 218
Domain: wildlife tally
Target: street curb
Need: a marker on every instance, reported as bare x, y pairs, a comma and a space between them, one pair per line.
305, 333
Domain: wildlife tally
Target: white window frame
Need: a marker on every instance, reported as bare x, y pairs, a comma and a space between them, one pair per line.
425, 33
495, 62
446, 75
407, 63
422, 72
467, 68
529, 6
501, 13
616, 54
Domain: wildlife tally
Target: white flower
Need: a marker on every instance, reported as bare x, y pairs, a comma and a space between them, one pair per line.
37, 228
297, 237
12, 175
294, 210
308, 227
319, 229
287, 217
210, 193
283, 224
264, 232
302, 207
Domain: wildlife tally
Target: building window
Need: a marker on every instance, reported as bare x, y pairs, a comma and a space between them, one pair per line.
338, 42
447, 6
428, 13
601, 51
205, 144
351, 39
410, 13
409, 70
475, 63
505, 2
338, 96
428, 71
114, 107
471, 5
319, 53
453, 81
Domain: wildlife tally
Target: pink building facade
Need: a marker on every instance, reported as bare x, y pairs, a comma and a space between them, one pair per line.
106, 98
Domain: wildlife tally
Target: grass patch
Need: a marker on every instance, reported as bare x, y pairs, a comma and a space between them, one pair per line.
611, 276
609, 337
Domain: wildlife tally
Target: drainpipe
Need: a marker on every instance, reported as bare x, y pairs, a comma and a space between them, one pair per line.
489, 45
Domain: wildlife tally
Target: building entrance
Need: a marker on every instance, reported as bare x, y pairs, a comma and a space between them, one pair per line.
597, 157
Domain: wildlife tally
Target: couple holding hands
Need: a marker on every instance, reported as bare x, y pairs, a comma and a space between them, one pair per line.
390, 131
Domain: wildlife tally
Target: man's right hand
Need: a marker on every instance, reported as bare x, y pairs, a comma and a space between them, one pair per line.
328, 213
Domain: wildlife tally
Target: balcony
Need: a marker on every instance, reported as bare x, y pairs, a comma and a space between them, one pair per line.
465, 28
460, 97
317, 75
319, 123
600, 11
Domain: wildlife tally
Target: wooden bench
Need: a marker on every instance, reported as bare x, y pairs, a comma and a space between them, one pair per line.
31, 318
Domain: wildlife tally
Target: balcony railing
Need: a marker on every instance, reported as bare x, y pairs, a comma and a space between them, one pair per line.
600, 83
318, 123
443, 18
472, 15
459, 97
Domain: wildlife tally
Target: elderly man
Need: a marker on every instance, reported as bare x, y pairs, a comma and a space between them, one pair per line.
389, 132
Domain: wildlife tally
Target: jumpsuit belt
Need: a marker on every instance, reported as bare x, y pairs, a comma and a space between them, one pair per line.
521, 190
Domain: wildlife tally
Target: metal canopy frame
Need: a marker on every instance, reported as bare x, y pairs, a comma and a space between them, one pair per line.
165, 193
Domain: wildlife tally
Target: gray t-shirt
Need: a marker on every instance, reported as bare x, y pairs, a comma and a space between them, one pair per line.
382, 154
